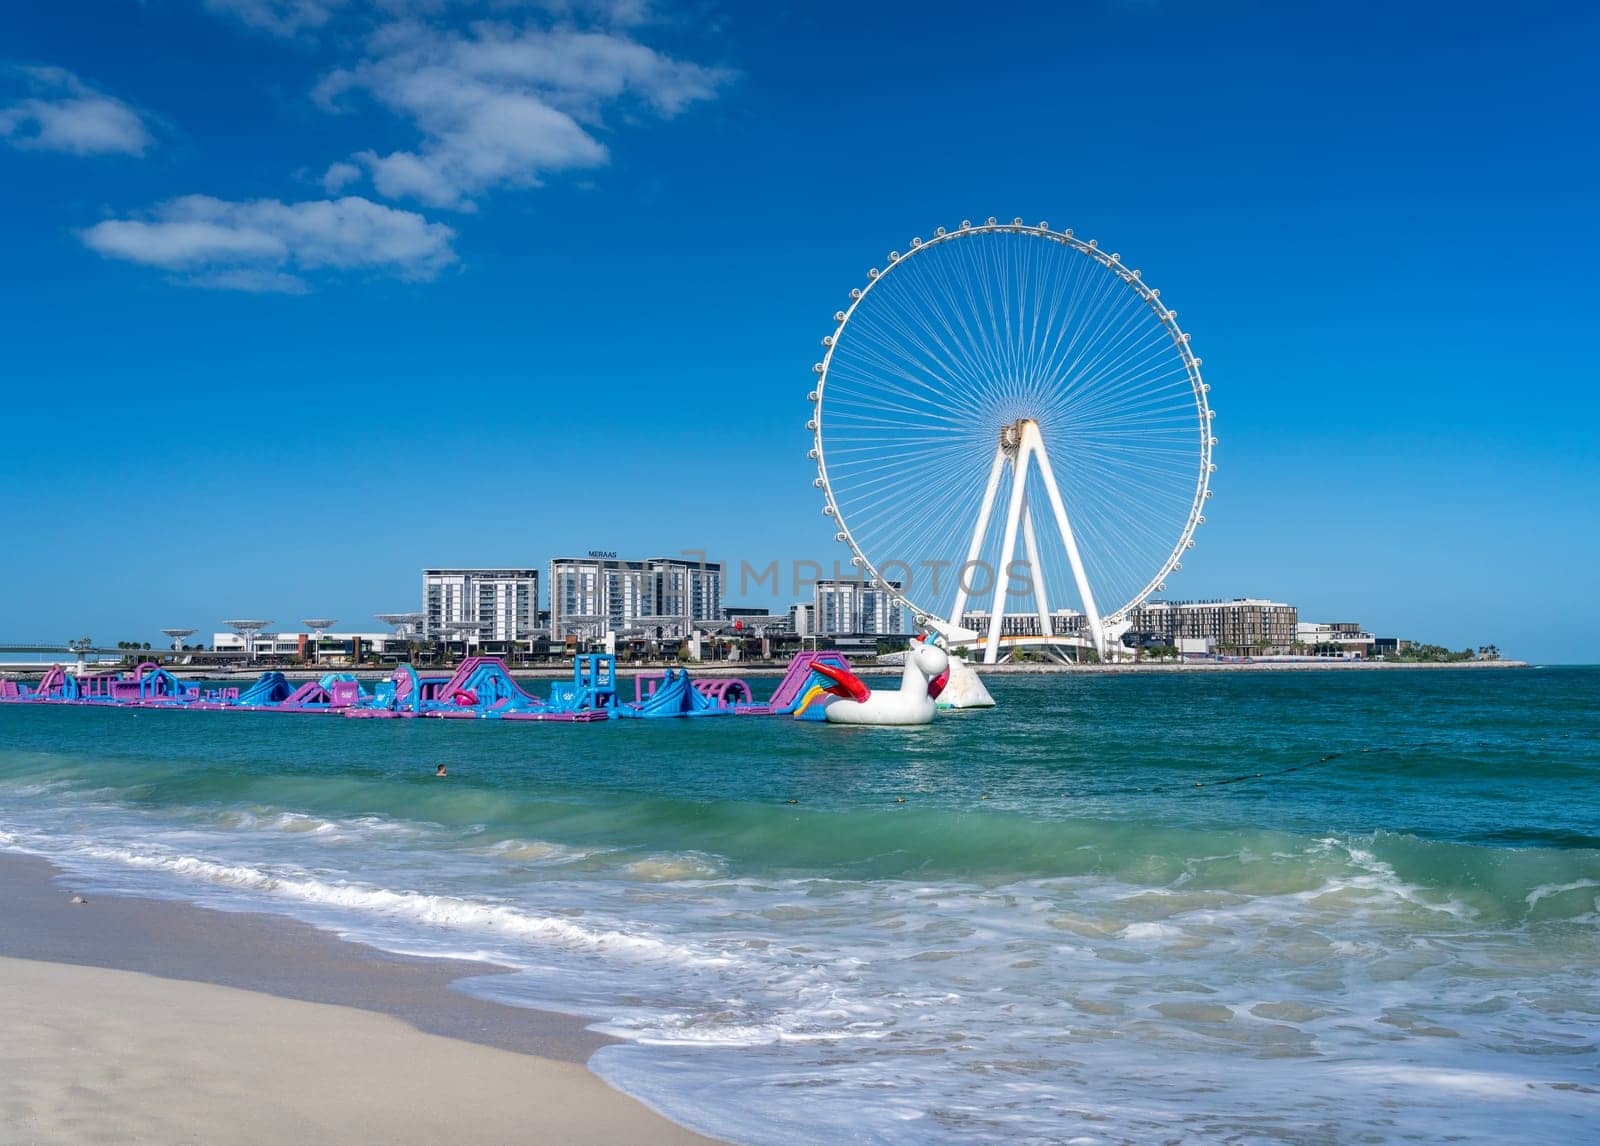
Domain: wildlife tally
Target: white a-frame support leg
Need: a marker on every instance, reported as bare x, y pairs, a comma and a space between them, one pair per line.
1008, 547
985, 512
1020, 445
1032, 543
1097, 632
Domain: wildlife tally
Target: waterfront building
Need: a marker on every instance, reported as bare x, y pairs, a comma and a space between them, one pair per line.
656, 599
856, 607
756, 622
1063, 623
476, 605
1336, 639
802, 620
331, 646
1244, 626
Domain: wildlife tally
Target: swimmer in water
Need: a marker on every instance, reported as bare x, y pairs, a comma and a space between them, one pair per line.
439, 771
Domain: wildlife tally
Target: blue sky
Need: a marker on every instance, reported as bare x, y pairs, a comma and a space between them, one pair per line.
303, 295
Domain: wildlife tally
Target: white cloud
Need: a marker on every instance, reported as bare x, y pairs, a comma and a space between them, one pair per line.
493, 104
266, 244
338, 176
67, 114
504, 106
280, 17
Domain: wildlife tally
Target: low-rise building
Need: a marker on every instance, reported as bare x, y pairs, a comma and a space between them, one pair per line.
756, 622
1244, 626
1334, 639
306, 646
1063, 623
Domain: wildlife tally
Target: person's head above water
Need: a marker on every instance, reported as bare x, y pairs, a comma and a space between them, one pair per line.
439, 771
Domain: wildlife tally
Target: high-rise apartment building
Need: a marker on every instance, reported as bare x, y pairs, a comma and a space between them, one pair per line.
855, 607
480, 604
656, 599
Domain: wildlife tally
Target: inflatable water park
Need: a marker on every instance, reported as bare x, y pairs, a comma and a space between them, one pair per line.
818, 686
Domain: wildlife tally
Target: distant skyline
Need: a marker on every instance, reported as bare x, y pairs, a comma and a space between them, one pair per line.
304, 296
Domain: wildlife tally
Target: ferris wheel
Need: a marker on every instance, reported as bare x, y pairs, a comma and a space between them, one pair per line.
1001, 383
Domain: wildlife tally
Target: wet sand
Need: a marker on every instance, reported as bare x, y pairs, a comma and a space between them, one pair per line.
136, 1020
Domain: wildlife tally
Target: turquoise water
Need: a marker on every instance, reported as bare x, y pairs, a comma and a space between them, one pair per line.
1089, 919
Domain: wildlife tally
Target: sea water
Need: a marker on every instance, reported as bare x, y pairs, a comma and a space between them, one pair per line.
1308, 907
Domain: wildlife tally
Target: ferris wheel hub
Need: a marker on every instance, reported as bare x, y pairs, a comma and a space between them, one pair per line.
1011, 434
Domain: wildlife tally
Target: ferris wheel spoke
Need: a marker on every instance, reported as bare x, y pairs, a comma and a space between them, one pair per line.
877, 443
1128, 478
860, 411
939, 376
947, 290
876, 480
1061, 307
984, 317
1149, 429
866, 411
875, 352
1122, 545
1117, 328
1078, 286
901, 439
945, 361
910, 466
1148, 374
1094, 311
1096, 307
1151, 391
1133, 352
921, 385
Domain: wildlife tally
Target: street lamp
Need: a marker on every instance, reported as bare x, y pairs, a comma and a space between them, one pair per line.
248, 631
465, 628
176, 636
318, 627
404, 625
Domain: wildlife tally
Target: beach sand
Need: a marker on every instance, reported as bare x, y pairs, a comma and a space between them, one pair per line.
93, 1051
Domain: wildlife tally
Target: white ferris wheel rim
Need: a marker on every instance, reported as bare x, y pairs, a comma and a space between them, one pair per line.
1133, 278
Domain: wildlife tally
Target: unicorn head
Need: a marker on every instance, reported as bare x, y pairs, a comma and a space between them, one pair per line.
927, 665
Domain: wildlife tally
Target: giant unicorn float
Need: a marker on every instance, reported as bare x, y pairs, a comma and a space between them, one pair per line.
846, 699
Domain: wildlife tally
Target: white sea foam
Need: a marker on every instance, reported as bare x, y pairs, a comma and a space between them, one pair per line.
1545, 890
433, 910
532, 851
663, 868
1150, 932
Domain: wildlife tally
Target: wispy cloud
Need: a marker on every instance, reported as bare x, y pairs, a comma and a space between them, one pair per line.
280, 17
504, 106
63, 113
293, 17
269, 245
